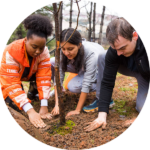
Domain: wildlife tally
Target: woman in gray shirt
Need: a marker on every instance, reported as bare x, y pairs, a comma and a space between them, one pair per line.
83, 58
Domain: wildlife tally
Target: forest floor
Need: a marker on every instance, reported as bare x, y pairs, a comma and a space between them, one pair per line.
74, 137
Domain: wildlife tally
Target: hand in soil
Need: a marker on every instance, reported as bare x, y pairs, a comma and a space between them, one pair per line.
55, 111
44, 113
100, 121
35, 118
75, 112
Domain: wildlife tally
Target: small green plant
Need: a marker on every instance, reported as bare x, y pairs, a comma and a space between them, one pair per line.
92, 141
62, 130
115, 134
128, 89
128, 110
119, 106
118, 74
124, 89
35, 103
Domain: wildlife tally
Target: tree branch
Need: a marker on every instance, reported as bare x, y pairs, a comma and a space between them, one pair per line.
88, 14
77, 1
76, 26
84, 5
48, 9
59, 6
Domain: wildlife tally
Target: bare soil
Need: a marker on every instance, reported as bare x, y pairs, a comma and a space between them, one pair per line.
119, 118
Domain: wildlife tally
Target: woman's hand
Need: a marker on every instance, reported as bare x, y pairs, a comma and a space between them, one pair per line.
100, 121
44, 113
35, 118
55, 111
75, 112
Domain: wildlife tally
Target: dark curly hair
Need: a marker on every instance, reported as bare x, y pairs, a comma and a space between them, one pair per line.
76, 39
38, 25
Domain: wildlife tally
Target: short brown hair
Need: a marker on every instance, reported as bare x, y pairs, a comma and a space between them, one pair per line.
119, 26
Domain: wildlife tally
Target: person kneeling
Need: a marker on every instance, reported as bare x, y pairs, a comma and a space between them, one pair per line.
85, 62
28, 59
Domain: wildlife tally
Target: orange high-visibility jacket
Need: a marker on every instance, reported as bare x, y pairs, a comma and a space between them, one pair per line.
13, 63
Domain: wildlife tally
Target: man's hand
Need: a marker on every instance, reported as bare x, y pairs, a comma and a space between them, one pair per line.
100, 121
35, 118
44, 113
75, 112
55, 111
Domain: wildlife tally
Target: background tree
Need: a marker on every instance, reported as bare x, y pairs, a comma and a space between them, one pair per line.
101, 26
19, 33
70, 22
61, 17
90, 18
94, 12
45, 12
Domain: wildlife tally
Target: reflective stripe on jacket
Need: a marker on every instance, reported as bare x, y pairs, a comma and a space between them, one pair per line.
14, 61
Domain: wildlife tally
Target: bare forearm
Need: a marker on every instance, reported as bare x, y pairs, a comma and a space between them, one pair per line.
81, 101
56, 96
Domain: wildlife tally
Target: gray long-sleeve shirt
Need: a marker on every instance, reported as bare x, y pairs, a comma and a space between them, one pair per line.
89, 66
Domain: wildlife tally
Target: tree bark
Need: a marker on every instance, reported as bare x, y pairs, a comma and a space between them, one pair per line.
90, 30
94, 12
57, 63
60, 17
101, 26
70, 22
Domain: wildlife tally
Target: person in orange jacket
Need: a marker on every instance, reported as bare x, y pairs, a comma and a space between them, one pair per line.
28, 59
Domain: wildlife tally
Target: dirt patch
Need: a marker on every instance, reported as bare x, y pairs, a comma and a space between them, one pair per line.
120, 117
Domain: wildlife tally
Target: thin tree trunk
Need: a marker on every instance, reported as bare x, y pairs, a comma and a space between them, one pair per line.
60, 17
57, 63
101, 26
70, 22
94, 12
90, 30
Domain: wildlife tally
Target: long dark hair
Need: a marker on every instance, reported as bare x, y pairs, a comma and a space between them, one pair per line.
76, 39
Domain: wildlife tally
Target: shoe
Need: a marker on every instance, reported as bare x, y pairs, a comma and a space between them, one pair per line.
94, 106
33, 96
33, 92
111, 105
10, 103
